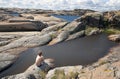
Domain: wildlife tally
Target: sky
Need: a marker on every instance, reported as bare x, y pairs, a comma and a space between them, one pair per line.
99, 5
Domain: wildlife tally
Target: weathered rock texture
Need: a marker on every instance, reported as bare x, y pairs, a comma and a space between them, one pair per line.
28, 41
55, 27
93, 19
65, 72
27, 22
94, 32
13, 43
66, 32
6, 60
50, 20
22, 25
115, 37
4, 17
33, 72
112, 18
76, 35
101, 20
74, 27
107, 67
77, 12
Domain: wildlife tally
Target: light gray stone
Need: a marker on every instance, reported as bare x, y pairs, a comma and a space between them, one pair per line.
95, 31
5, 64
67, 70
62, 36
118, 74
33, 72
6, 60
29, 41
74, 27
76, 35
2, 43
20, 76
114, 37
55, 27
6, 56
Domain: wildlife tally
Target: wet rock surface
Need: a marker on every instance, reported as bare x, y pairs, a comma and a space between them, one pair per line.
6, 60
33, 72
56, 30
76, 35
95, 32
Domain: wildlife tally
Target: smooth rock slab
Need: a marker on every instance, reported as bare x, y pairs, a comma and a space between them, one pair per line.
20, 76
6, 60
94, 32
74, 27
33, 72
61, 37
2, 43
55, 27
102, 72
6, 57
76, 35
115, 37
28, 41
5, 64
67, 70
92, 19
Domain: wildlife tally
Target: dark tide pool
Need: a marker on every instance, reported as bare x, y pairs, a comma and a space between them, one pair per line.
82, 51
68, 18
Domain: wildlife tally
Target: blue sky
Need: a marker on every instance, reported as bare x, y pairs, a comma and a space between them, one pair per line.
100, 5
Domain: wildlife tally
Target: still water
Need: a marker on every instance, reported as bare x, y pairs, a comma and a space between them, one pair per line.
68, 18
82, 51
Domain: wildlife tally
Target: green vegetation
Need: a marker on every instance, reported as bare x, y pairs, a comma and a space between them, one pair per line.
112, 30
59, 74
108, 30
89, 29
42, 74
73, 75
54, 35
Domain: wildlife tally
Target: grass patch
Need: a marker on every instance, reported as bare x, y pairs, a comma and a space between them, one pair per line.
73, 75
43, 74
53, 35
112, 30
108, 30
89, 29
59, 74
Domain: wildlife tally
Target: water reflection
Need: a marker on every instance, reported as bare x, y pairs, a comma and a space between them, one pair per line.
82, 51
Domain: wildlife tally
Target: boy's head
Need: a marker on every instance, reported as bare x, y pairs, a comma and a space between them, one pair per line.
40, 53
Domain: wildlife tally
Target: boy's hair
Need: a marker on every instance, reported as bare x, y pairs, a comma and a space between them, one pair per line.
40, 53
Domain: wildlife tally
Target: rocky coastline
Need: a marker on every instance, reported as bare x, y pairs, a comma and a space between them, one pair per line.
33, 28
